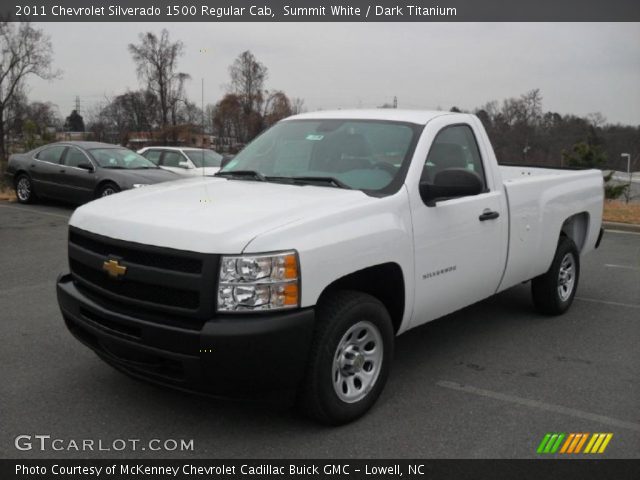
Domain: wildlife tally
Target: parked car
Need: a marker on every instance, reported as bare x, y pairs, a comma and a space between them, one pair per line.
184, 161
80, 171
320, 242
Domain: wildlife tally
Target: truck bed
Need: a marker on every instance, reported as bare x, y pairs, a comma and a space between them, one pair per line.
539, 202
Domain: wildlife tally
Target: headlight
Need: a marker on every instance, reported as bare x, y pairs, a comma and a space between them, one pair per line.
138, 185
259, 282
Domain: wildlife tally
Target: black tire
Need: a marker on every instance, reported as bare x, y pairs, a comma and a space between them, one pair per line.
24, 189
106, 189
336, 314
553, 292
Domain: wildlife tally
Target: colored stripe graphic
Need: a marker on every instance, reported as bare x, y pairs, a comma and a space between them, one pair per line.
543, 443
581, 443
568, 442
598, 443
572, 443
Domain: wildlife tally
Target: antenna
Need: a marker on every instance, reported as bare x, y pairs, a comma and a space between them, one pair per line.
202, 108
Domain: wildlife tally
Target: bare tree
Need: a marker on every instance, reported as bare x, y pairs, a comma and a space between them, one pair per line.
247, 81
277, 107
25, 51
156, 59
297, 106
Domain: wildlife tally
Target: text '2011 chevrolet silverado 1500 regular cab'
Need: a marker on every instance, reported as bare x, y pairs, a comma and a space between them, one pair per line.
303, 258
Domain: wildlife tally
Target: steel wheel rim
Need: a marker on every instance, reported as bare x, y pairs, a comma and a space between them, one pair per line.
108, 191
23, 189
357, 362
566, 277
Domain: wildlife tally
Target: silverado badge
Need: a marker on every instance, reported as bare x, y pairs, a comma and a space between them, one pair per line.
113, 268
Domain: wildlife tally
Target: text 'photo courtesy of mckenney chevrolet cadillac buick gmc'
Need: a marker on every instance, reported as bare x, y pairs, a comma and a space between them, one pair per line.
80, 171
297, 265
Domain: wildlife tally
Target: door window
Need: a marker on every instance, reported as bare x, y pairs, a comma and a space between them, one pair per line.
51, 154
74, 157
454, 147
152, 155
172, 159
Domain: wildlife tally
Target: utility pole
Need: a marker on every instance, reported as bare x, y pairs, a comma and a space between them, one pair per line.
78, 104
395, 102
628, 155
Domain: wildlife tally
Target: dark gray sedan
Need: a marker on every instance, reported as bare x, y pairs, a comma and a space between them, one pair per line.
80, 171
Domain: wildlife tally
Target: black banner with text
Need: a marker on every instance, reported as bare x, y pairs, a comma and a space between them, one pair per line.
321, 11
319, 469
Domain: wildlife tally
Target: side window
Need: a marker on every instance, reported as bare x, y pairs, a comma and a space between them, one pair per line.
171, 159
454, 147
51, 154
153, 156
74, 157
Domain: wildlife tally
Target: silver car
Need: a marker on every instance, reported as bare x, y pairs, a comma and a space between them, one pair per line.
184, 161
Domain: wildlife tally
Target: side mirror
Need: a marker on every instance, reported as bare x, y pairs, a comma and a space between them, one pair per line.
184, 164
451, 183
85, 166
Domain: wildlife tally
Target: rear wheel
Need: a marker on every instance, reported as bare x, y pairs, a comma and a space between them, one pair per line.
24, 189
107, 189
350, 357
553, 292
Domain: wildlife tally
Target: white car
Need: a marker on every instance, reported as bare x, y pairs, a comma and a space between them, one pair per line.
185, 161
330, 234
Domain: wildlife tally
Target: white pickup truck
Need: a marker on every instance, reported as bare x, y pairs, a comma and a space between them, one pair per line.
326, 237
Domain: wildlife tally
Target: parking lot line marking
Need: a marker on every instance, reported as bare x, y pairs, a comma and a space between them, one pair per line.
28, 210
527, 402
622, 231
626, 267
606, 302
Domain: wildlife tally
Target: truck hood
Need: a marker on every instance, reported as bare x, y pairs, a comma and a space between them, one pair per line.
208, 215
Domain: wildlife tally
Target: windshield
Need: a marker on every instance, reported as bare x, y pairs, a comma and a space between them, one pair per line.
358, 154
120, 158
204, 158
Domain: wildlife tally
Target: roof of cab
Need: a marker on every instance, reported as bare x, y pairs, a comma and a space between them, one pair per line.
419, 117
86, 144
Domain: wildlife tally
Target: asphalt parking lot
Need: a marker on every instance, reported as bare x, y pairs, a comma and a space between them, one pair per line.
486, 382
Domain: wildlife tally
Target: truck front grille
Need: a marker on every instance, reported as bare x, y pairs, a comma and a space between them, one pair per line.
160, 284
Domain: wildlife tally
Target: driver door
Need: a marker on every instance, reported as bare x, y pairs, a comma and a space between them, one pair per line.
459, 248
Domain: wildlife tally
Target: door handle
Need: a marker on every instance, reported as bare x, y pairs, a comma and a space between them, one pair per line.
488, 215
62, 170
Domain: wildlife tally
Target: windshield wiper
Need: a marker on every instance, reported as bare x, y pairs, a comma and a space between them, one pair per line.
311, 179
114, 167
242, 173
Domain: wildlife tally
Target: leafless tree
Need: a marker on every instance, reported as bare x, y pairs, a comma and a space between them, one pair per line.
247, 81
277, 106
297, 106
156, 59
25, 51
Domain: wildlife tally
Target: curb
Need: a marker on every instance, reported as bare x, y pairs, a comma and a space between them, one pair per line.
624, 227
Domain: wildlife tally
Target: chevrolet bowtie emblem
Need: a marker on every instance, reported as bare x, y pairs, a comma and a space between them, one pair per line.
113, 268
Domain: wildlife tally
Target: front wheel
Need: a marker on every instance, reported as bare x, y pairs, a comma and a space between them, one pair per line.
350, 357
24, 189
107, 189
553, 292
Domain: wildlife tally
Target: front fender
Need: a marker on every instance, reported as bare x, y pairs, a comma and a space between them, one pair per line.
337, 244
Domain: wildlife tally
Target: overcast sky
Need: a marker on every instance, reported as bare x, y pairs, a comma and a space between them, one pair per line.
579, 67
